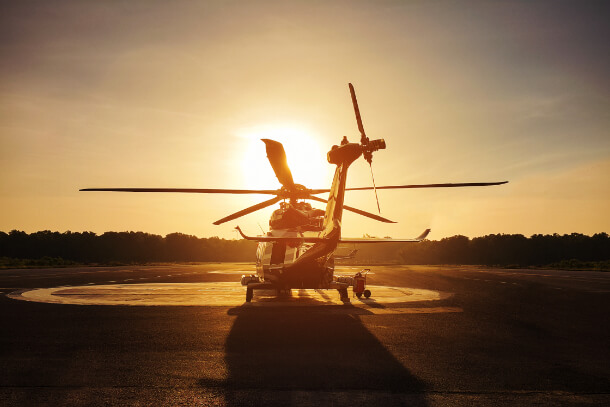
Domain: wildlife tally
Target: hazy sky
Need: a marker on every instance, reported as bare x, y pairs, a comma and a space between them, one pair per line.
177, 94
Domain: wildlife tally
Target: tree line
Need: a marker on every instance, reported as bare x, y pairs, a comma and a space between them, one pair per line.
515, 249
138, 247
125, 247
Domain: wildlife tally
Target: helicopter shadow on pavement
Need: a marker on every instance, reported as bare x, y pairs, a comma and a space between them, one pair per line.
307, 355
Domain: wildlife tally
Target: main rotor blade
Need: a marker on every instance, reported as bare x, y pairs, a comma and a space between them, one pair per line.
356, 110
462, 184
188, 190
358, 211
317, 191
248, 210
277, 159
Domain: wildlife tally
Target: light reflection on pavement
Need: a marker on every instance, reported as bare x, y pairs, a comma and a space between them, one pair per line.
229, 294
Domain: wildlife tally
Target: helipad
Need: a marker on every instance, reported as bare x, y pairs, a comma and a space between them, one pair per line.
220, 294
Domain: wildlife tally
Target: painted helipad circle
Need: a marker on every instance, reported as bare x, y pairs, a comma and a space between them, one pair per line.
214, 294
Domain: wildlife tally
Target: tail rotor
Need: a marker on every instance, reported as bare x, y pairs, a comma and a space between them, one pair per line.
368, 146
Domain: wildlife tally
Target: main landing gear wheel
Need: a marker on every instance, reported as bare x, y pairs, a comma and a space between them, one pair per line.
249, 294
359, 295
367, 294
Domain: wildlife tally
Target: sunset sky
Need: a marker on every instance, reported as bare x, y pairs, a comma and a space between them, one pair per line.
178, 94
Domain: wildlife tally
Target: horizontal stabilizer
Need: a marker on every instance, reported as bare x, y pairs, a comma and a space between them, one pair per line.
375, 240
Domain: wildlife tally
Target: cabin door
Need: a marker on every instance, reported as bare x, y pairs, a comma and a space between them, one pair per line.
278, 253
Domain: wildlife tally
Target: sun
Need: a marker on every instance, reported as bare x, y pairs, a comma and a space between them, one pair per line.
306, 157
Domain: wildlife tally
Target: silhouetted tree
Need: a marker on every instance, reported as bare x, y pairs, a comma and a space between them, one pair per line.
505, 249
87, 247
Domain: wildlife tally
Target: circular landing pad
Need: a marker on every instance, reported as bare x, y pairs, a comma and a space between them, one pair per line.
227, 294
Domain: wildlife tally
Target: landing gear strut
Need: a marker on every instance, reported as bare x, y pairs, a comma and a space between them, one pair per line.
343, 295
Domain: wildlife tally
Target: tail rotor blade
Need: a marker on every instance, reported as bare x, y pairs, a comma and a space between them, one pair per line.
357, 111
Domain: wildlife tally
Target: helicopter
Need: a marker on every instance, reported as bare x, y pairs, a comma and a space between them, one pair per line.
298, 250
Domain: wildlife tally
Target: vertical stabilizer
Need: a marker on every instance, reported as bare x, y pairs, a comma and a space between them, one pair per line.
342, 157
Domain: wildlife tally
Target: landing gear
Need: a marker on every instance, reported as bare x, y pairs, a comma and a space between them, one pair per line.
360, 294
343, 295
256, 285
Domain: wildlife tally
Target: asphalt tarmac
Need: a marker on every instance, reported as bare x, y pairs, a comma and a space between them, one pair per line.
432, 336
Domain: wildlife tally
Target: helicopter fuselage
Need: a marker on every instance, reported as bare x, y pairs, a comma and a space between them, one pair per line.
290, 262
281, 263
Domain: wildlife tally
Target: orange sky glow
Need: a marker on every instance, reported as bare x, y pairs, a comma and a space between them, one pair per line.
178, 94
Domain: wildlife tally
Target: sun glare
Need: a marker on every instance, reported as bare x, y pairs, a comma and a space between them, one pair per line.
306, 158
